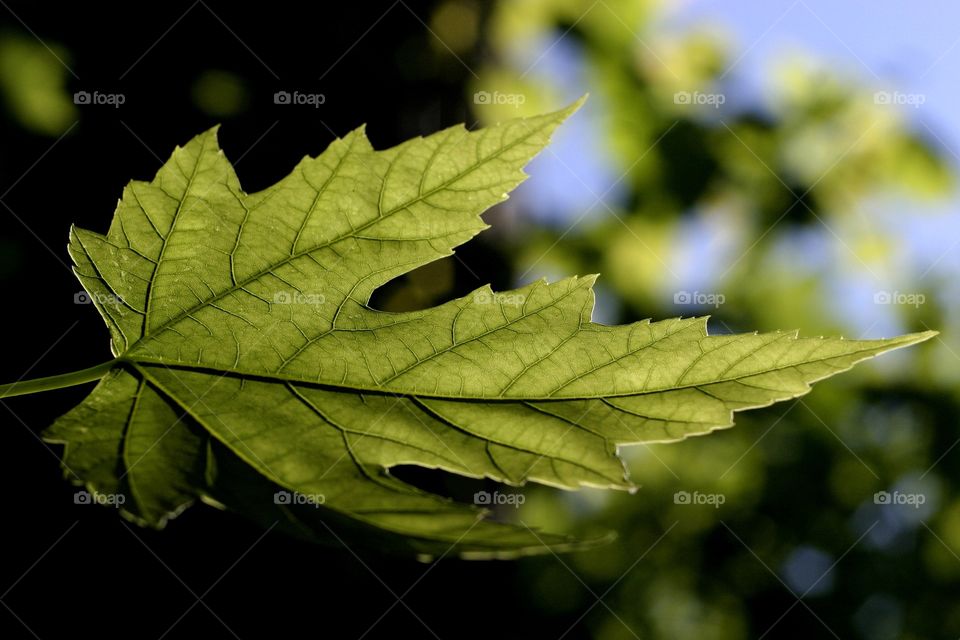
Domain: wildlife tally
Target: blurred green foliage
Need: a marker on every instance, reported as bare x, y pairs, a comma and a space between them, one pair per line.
33, 81
782, 191
220, 94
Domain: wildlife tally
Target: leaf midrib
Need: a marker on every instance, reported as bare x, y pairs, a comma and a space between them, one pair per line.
276, 377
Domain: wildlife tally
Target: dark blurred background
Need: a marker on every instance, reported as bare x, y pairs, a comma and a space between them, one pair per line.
784, 166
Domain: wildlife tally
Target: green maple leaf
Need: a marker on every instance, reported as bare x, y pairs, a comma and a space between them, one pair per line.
248, 362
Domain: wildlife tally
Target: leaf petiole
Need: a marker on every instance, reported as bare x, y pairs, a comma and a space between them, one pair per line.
23, 387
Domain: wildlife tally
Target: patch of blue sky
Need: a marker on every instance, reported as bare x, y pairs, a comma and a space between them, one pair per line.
574, 180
